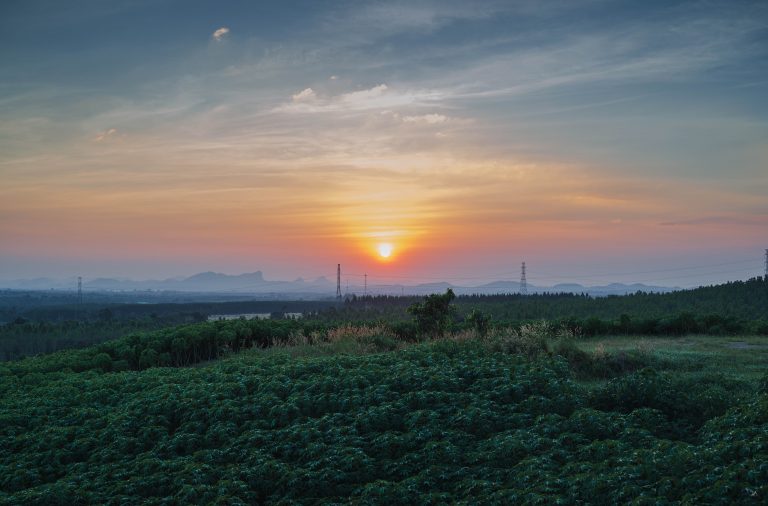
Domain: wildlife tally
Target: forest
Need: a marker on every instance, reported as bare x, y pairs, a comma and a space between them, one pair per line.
743, 301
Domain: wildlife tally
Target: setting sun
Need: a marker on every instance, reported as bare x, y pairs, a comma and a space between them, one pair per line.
385, 250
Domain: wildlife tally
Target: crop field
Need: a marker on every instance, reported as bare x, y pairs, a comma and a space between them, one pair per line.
355, 417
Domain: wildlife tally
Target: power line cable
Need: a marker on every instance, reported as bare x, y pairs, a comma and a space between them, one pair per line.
539, 275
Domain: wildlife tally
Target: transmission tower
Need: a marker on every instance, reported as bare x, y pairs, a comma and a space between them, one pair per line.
365, 285
79, 291
523, 281
338, 281
766, 266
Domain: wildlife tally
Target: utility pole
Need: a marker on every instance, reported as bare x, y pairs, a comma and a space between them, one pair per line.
338, 281
766, 266
365, 285
79, 297
523, 281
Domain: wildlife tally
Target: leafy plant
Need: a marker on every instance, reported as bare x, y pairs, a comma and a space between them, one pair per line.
434, 313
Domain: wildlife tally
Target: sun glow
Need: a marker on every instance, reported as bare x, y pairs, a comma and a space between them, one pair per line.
385, 250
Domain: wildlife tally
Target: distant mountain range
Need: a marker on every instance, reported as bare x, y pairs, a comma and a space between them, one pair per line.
254, 283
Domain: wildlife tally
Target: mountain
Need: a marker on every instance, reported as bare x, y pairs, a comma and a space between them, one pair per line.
216, 281
255, 283
502, 286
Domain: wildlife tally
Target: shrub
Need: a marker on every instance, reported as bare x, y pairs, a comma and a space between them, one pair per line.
405, 331
529, 340
149, 358
433, 315
376, 337
479, 321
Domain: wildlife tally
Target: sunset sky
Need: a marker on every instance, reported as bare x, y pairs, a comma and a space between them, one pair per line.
596, 140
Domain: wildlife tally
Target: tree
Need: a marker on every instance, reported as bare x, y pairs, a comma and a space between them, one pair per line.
479, 321
433, 315
106, 315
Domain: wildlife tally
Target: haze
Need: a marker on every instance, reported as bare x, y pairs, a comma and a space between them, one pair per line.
598, 141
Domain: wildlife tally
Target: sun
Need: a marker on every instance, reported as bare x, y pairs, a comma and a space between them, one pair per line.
385, 250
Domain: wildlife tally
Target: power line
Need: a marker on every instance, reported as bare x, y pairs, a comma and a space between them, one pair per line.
554, 276
766, 266
664, 278
523, 278
674, 269
523, 281
698, 274
80, 296
338, 281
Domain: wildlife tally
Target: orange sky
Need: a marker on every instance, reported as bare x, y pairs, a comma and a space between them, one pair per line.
619, 146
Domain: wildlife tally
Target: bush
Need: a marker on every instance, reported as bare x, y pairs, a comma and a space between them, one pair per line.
405, 331
479, 321
148, 358
529, 340
102, 361
433, 315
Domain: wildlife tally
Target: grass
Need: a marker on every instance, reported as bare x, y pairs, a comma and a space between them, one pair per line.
344, 340
693, 354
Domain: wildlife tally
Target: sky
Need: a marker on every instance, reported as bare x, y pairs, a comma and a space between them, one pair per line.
595, 140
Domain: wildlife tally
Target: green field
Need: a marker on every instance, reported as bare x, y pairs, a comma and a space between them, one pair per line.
740, 357
354, 416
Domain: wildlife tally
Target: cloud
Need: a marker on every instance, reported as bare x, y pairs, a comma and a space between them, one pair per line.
304, 95
429, 119
219, 34
718, 220
365, 95
101, 136
380, 96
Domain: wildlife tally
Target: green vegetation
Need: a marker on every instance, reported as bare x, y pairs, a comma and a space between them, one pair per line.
168, 307
41, 322
22, 338
736, 357
306, 412
434, 314
739, 307
443, 408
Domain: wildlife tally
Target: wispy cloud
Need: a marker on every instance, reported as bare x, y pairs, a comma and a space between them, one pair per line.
106, 134
220, 33
707, 221
304, 95
429, 119
380, 96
